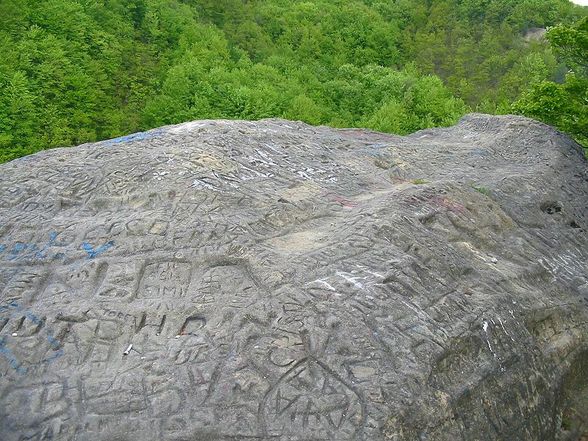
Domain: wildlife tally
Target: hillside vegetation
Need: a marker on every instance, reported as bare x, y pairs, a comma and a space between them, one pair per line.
78, 71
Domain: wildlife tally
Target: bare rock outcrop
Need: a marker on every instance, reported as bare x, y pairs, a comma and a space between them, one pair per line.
230, 280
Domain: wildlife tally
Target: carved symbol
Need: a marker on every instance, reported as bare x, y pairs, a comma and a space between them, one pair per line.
165, 279
28, 327
312, 401
243, 289
192, 324
31, 250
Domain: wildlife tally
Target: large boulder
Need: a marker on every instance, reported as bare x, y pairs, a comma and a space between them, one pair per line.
231, 280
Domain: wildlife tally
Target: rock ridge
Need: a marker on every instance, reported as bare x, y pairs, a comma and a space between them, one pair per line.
235, 280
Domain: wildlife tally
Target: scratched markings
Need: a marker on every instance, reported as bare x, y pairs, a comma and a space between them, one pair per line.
165, 279
25, 339
272, 281
314, 402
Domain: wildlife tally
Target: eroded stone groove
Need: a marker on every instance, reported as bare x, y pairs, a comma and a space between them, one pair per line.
224, 280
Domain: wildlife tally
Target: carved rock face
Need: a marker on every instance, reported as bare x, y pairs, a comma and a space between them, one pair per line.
271, 280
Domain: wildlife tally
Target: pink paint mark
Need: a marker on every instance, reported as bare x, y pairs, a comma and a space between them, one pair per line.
344, 202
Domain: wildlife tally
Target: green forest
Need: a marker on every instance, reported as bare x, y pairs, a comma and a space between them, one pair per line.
75, 71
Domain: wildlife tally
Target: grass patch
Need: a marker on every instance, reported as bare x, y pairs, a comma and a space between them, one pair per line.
484, 190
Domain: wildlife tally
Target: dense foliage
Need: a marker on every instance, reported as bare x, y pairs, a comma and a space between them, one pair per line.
74, 71
565, 104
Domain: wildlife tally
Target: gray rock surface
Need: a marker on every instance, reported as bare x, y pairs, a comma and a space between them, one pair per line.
229, 280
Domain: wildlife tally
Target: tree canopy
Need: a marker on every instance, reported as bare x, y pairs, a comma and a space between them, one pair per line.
74, 71
563, 104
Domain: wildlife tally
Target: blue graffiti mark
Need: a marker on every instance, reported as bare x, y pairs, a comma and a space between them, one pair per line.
32, 317
16, 249
53, 342
141, 136
56, 347
13, 305
21, 247
42, 253
22, 250
377, 149
92, 253
479, 152
12, 360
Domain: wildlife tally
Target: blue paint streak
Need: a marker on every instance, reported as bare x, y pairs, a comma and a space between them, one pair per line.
53, 342
16, 249
376, 149
55, 356
14, 363
42, 254
92, 253
479, 152
21, 250
21, 247
32, 317
12, 304
141, 136
56, 347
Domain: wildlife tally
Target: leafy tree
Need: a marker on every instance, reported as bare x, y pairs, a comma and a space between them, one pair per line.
564, 105
73, 71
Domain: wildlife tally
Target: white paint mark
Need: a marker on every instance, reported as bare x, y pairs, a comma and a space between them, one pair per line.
266, 157
351, 279
269, 146
199, 183
373, 273
187, 127
485, 327
325, 283
504, 329
415, 310
255, 173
